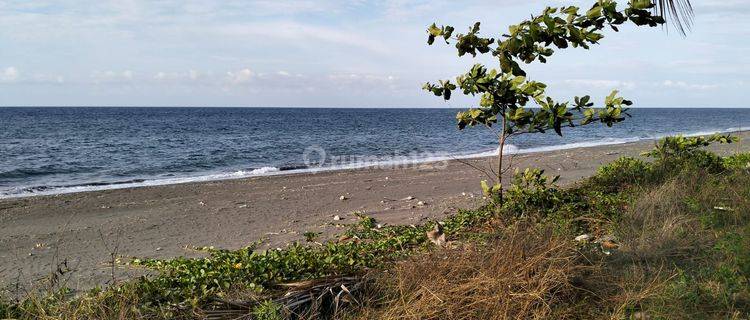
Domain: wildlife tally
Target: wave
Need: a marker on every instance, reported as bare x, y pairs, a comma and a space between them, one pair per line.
295, 169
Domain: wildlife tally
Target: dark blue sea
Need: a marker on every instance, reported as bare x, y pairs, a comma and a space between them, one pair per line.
66, 149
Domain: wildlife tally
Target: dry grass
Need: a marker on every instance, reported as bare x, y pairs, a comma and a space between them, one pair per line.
667, 236
522, 273
658, 224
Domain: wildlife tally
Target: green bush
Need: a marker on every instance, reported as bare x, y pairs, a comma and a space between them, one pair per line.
670, 166
738, 161
621, 173
531, 191
678, 153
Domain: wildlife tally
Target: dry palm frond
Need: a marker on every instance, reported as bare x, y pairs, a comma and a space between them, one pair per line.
318, 298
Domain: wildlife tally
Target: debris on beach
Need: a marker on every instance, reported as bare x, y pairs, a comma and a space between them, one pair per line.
608, 243
723, 208
336, 218
408, 198
583, 238
342, 198
202, 203
436, 235
421, 204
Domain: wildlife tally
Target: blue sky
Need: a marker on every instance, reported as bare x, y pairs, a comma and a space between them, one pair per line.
337, 54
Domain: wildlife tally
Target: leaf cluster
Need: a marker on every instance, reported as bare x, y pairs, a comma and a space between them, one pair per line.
681, 146
506, 92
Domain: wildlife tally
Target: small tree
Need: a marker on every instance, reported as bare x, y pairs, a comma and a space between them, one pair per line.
505, 93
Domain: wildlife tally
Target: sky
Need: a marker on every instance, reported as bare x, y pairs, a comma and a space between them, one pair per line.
325, 53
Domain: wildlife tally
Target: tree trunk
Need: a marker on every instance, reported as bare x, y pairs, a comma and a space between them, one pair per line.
500, 152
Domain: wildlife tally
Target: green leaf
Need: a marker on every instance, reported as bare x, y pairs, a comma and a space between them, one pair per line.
641, 4
610, 98
517, 80
595, 12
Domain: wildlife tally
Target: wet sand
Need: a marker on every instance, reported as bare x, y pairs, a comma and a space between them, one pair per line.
84, 229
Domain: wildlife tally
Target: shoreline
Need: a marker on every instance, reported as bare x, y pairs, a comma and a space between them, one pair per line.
162, 221
367, 165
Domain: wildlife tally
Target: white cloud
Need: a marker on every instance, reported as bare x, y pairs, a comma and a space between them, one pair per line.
109, 76
9, 74
690, 86
184, 77
599, 83
241, 76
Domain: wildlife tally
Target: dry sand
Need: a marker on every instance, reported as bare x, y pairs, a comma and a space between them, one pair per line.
38, 233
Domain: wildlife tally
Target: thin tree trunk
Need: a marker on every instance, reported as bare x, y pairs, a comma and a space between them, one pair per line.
500, 160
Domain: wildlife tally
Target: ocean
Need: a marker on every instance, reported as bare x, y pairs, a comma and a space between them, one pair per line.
49, 150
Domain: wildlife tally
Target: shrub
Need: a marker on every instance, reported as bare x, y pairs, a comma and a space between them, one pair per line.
621, 173
674, 154
531, 190
738, 161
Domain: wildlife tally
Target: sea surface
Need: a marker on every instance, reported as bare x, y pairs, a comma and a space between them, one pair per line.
68, 149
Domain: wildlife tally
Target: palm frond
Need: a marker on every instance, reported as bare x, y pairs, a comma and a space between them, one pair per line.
679, 12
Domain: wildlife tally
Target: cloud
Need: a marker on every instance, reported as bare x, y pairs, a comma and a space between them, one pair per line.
690, 86
113, 77
189, 76
241, 76
599, 83
9, 74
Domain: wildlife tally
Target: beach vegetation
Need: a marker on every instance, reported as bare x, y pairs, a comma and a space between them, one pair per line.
507, 94
630, 241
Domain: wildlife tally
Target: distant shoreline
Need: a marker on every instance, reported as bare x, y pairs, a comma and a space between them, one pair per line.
161, 221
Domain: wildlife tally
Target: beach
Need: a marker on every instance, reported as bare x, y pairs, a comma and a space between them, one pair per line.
83, 231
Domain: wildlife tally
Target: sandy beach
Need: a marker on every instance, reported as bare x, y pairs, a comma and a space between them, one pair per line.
38, 233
